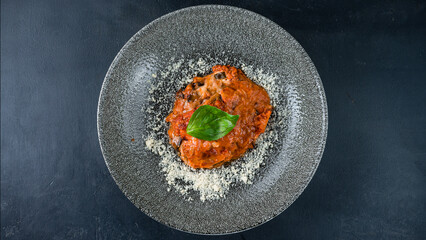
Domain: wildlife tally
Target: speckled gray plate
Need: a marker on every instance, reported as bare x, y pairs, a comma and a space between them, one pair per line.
215, 33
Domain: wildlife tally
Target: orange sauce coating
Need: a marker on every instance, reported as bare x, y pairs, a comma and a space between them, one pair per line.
228, 89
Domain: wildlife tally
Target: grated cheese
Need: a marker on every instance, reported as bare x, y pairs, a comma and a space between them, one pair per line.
209, 184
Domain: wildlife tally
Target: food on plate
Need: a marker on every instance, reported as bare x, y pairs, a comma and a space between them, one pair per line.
217, 118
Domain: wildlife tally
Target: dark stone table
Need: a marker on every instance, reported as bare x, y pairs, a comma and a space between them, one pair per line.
371, 183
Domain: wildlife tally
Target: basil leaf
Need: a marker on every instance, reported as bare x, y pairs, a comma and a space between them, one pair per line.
210, 123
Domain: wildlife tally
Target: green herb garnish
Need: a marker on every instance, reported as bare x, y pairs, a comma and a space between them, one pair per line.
210, 123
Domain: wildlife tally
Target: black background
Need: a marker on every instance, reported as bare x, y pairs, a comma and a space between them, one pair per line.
371, 183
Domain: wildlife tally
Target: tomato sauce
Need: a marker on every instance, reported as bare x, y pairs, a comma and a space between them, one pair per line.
228, 89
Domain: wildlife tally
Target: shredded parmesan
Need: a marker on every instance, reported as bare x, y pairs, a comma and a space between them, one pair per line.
209, 184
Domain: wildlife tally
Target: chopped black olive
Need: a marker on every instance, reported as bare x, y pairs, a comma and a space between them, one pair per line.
220, 75
196, 85
192, 97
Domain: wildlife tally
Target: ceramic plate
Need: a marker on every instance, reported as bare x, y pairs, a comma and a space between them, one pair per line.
148, 71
